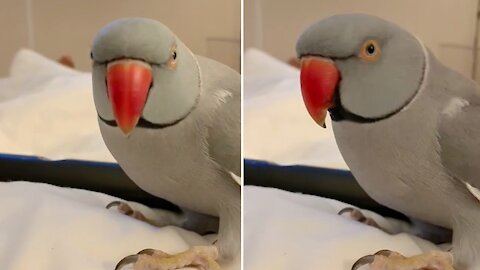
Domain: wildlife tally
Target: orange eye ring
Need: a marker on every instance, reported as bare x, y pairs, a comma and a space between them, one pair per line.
370, 51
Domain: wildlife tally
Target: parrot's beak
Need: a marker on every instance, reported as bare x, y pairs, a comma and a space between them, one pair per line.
128, 83
319, 79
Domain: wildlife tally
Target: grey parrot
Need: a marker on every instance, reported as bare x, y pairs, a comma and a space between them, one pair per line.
172, 121
407, 126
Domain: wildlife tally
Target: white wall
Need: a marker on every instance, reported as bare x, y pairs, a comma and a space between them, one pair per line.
446, 26
56, 27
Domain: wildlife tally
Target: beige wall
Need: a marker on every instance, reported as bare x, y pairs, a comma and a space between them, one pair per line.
13, 29
446, 26
56, 27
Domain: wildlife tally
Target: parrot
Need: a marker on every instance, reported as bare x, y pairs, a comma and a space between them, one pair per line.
171, 119
407, 126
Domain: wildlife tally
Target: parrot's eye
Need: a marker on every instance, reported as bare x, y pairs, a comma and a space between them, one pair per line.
91, 55
370, 51
172, 63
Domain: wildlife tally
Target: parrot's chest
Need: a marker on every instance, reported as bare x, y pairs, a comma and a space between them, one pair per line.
169, 163
391, 161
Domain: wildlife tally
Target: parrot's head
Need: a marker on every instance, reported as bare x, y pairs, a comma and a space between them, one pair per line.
358, 67
143, 75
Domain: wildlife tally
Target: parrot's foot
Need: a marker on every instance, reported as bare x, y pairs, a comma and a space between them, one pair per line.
357, 215
125, 209
200, 257
390, 260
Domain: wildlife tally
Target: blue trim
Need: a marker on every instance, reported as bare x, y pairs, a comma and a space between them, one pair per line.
36, 159
295, 168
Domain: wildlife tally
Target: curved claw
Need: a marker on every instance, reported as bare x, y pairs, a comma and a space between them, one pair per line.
132, 259
357, 215
124, 208
362, 261
384, 252
346, 210
147, 251
153, 252
113, 204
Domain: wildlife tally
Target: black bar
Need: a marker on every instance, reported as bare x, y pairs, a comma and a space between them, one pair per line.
103, 177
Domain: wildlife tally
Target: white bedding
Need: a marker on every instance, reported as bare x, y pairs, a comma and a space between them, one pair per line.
45, 227
286, 230
47, 110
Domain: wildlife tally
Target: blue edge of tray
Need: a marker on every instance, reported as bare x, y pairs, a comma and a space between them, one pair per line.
325, 182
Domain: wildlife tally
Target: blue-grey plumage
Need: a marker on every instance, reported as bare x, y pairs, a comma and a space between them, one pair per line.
186, 142
406, 125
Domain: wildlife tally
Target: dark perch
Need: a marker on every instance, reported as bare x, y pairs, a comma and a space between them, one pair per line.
102, 177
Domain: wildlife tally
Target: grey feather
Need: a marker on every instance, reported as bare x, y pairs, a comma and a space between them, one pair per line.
224, 136
459, 138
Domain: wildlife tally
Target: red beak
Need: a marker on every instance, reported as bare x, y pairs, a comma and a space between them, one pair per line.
128, 83
318, 78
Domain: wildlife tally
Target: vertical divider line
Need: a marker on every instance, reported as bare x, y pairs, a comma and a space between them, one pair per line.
475, 43
242, 172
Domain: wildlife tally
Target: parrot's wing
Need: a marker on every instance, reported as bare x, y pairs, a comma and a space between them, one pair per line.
459, 139
224, 135
222, 86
